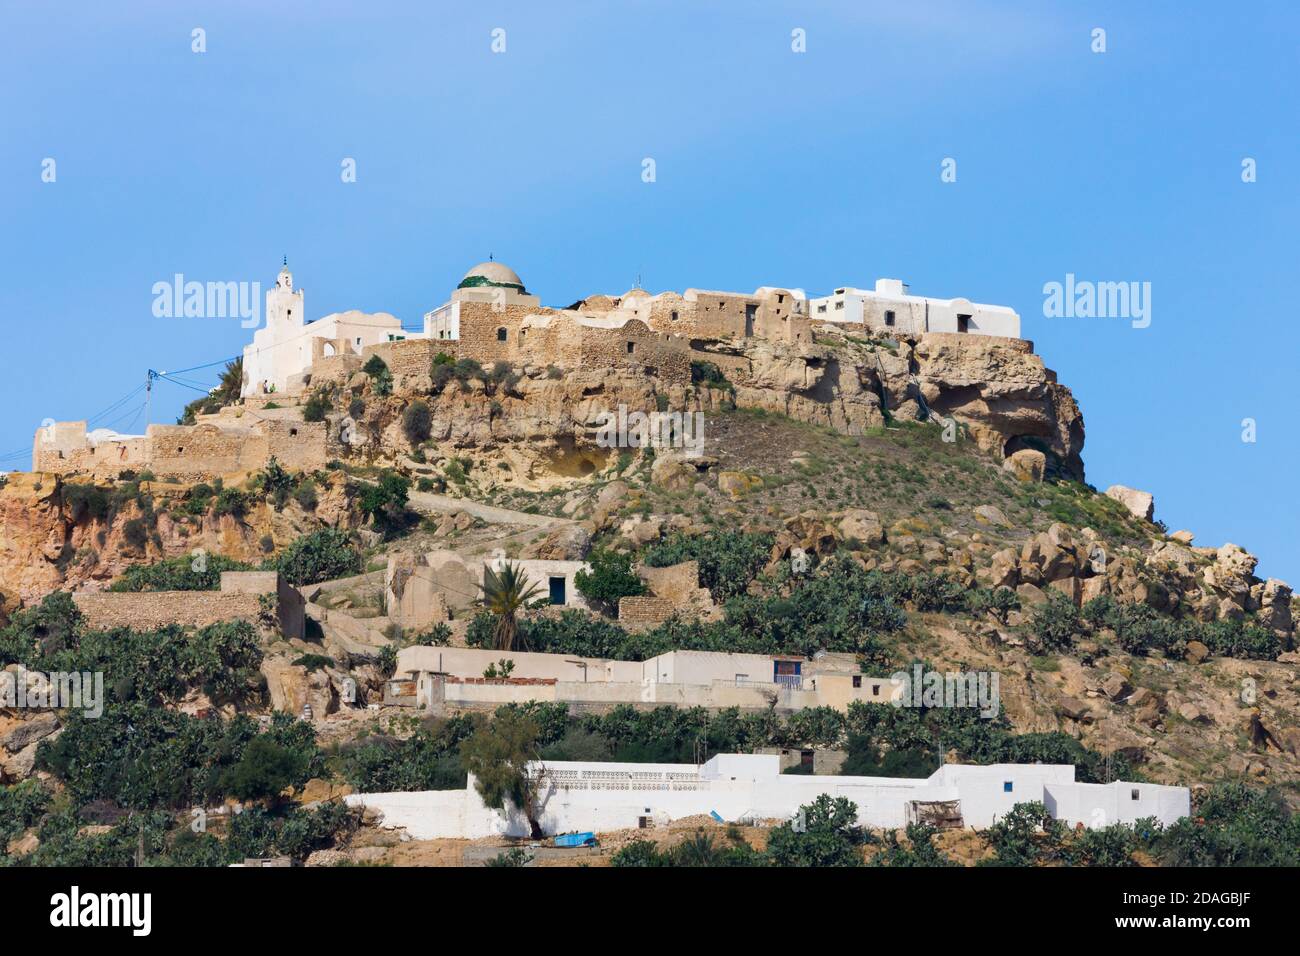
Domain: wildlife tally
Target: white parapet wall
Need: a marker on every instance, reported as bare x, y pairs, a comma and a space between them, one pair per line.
741, 787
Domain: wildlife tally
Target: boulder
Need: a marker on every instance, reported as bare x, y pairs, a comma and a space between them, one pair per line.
992, 515
23, 845
1183, 537
1197, 652
1027, 464
645, 532
1004, 568
1030, 594
863, 525
1141, 504
568, 542
1074, 708
737, 484
291, 686
30, 731
614, 493
673, 473
1114, 686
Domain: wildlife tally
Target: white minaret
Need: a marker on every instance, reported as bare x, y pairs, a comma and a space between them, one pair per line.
284, 306
278, 349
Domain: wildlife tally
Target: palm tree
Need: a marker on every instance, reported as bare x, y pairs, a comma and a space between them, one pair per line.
505, 592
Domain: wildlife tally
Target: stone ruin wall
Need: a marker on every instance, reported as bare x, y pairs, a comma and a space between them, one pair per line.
191, 452
148, 610
636, 346
240, 599
409, 360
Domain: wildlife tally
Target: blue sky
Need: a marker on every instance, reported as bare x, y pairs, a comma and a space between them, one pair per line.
814, 170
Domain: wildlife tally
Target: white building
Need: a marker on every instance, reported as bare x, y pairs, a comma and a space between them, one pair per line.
436, 677
890, 306
491, 281
742, 787
282, 349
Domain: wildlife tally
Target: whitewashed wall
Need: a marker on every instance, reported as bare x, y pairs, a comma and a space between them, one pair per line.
612, 796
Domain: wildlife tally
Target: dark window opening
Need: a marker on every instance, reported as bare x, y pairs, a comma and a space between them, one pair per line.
1006, 786
1134, 794
557, 590
963, 323
857, 680
501, 335
889, 317
631, 347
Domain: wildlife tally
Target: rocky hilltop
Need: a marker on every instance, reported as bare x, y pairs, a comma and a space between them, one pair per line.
934, 484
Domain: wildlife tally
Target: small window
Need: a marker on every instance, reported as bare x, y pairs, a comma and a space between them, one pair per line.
1133, 794
358, 340
674, 316
821, 308
293, 432
857, 680
840, 304
963, 323
780, 298
557, 591
875, 690
179, 449
501, 335
889, 317
1006, 786
631, 348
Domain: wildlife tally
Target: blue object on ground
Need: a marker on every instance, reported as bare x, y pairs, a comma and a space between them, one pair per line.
576, 839
714, 814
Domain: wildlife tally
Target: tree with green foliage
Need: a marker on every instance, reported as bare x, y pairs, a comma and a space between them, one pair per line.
1234, 825
728, 560
823, 833
611, 577
505, 593
1027, 835
264, 770
498, 755
384, 501
319, 556
918, 851
276, 483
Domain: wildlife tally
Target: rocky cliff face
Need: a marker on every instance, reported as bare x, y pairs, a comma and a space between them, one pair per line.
45, 547
997, 389
546, 428
541, 430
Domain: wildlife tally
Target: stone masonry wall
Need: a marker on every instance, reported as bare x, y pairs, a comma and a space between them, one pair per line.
148, 610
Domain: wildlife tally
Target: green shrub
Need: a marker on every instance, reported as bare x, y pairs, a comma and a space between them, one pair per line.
319, 556
417, 422
316, 407
729, 560
85, 501
1056, 623
198, 572
610, 578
